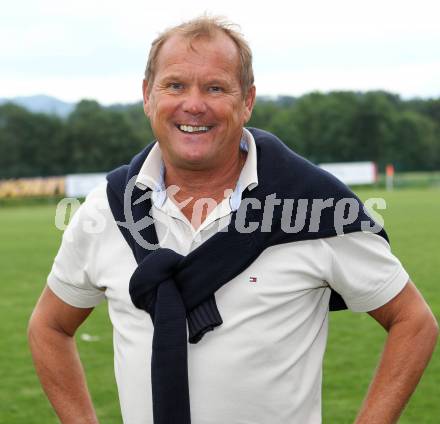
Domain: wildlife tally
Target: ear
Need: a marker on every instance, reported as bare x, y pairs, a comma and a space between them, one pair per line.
249, 103
146, 97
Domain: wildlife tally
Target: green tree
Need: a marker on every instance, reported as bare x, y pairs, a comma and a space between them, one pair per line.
374, 127
99, 139
416, 142
29, 143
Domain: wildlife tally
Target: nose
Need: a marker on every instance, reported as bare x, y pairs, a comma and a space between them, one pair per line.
194, 102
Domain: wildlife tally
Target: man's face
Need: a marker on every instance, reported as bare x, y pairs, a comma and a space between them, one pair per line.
195, 104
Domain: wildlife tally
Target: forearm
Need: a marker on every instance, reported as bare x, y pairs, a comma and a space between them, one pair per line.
406, 354
61, 374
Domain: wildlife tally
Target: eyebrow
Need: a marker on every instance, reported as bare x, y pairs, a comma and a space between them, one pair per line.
171, 77
180, 77
217, 81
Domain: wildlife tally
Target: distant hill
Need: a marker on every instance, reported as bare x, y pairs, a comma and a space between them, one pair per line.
42, 104
53, 106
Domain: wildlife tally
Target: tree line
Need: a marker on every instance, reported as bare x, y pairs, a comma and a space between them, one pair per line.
334, 127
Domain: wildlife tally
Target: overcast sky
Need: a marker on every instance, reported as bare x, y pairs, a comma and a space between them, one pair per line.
97, 48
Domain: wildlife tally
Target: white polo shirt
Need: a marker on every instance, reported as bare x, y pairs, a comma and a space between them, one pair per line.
263, 365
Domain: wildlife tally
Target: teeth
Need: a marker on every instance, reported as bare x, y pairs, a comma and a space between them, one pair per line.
190, 128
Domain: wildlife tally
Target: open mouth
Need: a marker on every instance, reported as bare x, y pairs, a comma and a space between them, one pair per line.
192, 129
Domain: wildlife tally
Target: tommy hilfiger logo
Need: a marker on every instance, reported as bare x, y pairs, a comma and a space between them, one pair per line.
252, 279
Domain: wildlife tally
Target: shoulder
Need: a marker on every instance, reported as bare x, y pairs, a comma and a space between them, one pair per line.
364, 270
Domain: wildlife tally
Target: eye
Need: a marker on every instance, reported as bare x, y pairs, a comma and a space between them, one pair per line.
215, 89
175, 86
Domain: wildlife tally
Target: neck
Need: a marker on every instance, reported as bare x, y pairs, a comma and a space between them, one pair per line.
202, 189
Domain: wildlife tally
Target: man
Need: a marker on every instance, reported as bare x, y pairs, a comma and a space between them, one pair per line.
262, 363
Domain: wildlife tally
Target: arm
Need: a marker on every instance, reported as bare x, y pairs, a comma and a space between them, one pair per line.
412, 335
50, 333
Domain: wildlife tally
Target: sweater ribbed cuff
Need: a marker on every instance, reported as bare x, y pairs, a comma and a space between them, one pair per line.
203, 318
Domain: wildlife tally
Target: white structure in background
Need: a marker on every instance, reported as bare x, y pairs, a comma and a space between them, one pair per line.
80, 185
353, 173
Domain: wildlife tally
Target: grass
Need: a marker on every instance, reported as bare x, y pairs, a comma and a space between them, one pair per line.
355, 340
29, 241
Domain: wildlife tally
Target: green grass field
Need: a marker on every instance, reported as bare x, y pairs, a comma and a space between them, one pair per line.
29, 241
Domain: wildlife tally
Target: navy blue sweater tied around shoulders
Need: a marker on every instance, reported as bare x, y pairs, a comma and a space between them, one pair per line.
180, 290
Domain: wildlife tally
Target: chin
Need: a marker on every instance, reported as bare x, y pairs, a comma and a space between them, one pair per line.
194, 161
194, 156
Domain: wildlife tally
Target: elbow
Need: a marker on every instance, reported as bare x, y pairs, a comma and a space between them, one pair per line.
433, 333
420, 328
37, 330
429, 330
32, 330
434, 328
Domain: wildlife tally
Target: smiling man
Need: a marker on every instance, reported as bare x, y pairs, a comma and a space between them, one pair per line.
197, 107
252, 300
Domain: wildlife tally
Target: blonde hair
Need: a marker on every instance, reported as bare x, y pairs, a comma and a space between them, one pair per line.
206, 26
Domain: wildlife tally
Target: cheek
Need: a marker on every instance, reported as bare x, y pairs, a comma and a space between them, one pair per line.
165, 110
232, 114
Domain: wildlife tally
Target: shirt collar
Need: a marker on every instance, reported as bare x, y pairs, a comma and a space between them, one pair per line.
152, 173
152, 176
248, 177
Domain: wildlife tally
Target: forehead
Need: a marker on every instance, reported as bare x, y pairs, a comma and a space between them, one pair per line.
218, 51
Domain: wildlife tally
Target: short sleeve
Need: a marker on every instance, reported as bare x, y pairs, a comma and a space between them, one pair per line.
364, 271
69, 277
